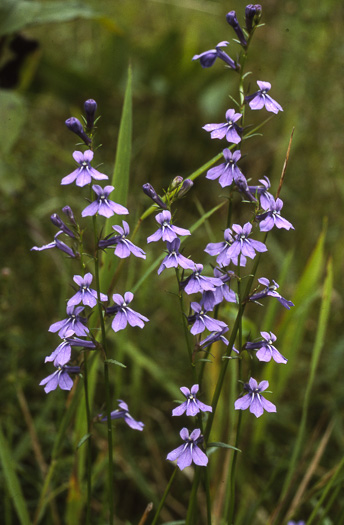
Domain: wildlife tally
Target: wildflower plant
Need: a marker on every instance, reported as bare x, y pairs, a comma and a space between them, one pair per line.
226, 280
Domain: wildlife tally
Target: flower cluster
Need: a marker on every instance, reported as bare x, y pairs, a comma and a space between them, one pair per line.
73, 331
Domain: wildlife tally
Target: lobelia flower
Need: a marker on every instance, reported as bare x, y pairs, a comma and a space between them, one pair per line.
261, 99
167, 231
221, 249
74, 323
124, 314
233, 21
228, 171
150, 192
56, 243
90, 107
242, 187
253, 399
174, 259
243, 245
60, 378
207, 58
84, 173
85, 295
192, 405
199, 283
57, 221
124, 247
200, 321
102, 205
228, 129
262, 192
272, 217
74, 125
296, 523
253, 14
123, 413
223, 292
213, 337
266, 350
189, 452
61, 355
271, 290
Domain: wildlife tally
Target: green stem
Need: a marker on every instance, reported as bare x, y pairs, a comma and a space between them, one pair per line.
164, 496
89, 443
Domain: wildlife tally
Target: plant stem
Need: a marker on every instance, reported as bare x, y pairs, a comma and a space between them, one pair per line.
164, 496
89, 443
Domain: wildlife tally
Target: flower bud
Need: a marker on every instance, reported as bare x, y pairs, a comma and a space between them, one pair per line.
67, 210
152, 194
76, 127
176, 182
253, 14
233, 21
90, 107
186, 186
57, 221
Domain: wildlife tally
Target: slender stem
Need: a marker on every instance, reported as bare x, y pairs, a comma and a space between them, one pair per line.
89, 443
106, 383
207, 495
164, 496
185, 324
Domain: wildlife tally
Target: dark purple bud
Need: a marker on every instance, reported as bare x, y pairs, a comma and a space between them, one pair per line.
76, 127
57, 221
253, 14
67, 210
150, 191
186, 186
90, 107
233, 21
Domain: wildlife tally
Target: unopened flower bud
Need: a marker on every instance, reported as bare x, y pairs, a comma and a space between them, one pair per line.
57, 221
67, 210
186, 186
253, 14
176, 182
76, 127
233, 21
152, 194
90, 107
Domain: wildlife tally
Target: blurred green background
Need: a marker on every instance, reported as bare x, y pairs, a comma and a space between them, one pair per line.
55, 55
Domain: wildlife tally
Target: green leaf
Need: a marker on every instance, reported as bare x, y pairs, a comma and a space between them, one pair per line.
219, 444
16, 15
83, 440
14, 488
114, 362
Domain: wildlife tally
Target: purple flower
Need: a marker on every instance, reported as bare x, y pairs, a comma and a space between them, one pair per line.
296, 523
57, 221
152, 194
192, 405
242, 187
123, 412
189, 452
90, 107
213, 337
272, 217
124, 314
85, 295
228, 129
56, 243
102, 205
242, 245
260, 99
167, 231
223, 292
254, 400
199, 283
207, 58
85, 173
227, 171
270, 289
73, 324
233, 21
262, 191
221, 249
74, 125
67, 210
202, 321
60, 378
266, 350
253, 14
174, 259
61, 354
124, 247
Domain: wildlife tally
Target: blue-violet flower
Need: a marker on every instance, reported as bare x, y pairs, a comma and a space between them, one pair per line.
192, 405
253, 399
260, 99
123, 412
85, 295
167, 231
228, 171
102, 204
124, 247
124, 314
228, 129
189, 452
60, 378
266, 350
85, 173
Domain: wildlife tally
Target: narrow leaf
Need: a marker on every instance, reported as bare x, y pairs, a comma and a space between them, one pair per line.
114, 362
83, 440
219, 444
